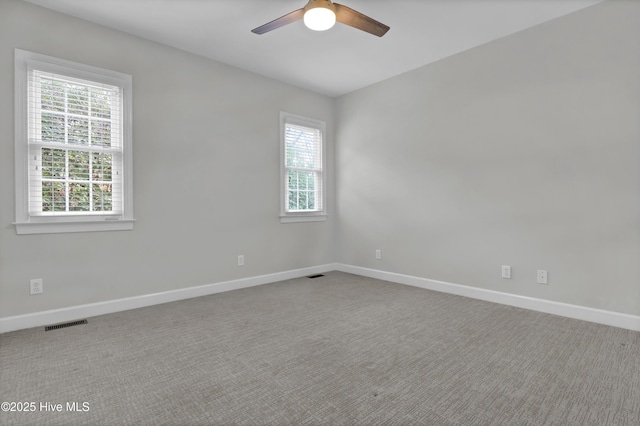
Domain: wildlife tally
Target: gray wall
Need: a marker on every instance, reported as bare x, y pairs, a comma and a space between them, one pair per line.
523, 152
206, 174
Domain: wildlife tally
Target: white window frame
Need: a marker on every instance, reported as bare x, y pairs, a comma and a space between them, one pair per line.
27, 223
301, 216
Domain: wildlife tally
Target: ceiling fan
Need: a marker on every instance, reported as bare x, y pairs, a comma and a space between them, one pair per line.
320, 15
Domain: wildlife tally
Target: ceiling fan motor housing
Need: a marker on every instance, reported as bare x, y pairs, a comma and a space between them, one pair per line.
327, 4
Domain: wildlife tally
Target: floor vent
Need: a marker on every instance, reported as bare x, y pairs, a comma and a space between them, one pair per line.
65, 325
315, 276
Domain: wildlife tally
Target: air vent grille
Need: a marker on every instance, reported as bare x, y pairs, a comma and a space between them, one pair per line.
65, 325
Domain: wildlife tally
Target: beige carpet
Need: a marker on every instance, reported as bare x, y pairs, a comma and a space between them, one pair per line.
335, 350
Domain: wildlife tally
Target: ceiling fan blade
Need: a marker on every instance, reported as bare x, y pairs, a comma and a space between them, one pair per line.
357, 20
280, 22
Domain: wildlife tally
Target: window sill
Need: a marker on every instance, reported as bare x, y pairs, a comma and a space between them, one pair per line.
25, 228
303, 218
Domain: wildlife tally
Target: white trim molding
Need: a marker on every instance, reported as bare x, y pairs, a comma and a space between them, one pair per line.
39, 319
614, 319
320, 214
30, 219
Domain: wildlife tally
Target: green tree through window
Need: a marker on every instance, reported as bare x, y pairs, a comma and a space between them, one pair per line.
75, 114
303, 163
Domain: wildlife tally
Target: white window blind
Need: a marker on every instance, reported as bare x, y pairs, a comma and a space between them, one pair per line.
303, 158
73, 140
75, 146
303, 166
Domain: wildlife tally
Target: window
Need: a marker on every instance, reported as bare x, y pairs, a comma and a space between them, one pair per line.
73, 147
303, 179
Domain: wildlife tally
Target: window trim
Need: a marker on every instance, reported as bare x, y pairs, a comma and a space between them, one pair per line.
26, 223
310, 216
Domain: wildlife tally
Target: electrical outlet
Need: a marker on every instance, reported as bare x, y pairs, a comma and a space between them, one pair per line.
35, 286
506, 272
378, 254
241, 260
542, 276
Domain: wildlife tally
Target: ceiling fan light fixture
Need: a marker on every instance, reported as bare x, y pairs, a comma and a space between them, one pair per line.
320, 15
319, 18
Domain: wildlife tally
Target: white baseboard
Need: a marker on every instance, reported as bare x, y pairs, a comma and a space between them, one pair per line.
615, 319
39, 319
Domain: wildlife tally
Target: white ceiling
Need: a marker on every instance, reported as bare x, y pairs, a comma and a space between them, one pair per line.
333, 62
